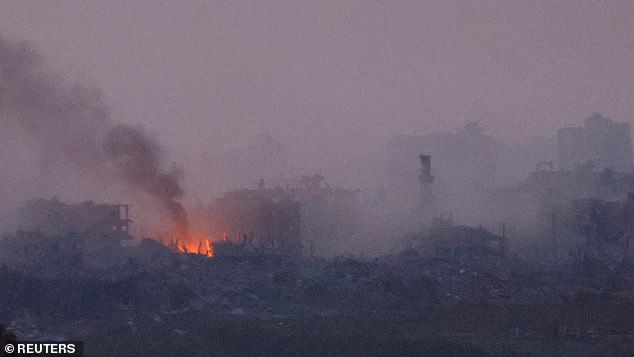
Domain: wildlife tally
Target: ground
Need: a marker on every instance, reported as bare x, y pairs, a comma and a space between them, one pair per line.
404, 305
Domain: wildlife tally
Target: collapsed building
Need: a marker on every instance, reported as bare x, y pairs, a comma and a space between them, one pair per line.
446, 240
604, 221
449, 241
602, 231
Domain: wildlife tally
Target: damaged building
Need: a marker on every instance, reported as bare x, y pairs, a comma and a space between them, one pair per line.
85, 234
449, 241
329, 215
604, 230
263, 219
531, 200
55, 218
307, 214
594, 163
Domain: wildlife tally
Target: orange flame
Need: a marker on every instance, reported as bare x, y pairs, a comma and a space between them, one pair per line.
210, 248
193, 244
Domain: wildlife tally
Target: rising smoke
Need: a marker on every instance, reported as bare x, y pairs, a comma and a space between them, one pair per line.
139, 161
72, 124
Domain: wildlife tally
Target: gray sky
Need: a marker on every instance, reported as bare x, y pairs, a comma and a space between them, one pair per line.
328, 76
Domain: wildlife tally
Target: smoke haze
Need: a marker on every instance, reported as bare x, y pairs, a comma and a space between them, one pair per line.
70, 125
315, 178
329, 84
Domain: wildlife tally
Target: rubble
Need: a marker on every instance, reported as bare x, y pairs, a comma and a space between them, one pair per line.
179, 289
473, 294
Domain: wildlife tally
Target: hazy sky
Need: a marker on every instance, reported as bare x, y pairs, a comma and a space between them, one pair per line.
324, 76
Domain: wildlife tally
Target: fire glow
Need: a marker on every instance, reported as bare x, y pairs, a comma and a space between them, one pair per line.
195, 244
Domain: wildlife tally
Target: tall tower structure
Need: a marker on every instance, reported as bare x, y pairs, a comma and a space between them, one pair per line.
426, 205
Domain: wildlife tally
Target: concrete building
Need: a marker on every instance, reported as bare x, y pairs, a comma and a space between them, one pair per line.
601, 142
264, 219
283, 219
56, 219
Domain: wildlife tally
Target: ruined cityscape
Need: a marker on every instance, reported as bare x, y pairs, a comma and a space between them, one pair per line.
440, 242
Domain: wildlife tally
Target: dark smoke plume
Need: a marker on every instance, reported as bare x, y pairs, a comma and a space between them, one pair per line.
72, 124
139, 160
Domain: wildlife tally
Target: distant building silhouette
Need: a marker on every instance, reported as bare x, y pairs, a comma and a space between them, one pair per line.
601, 142
463, 160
